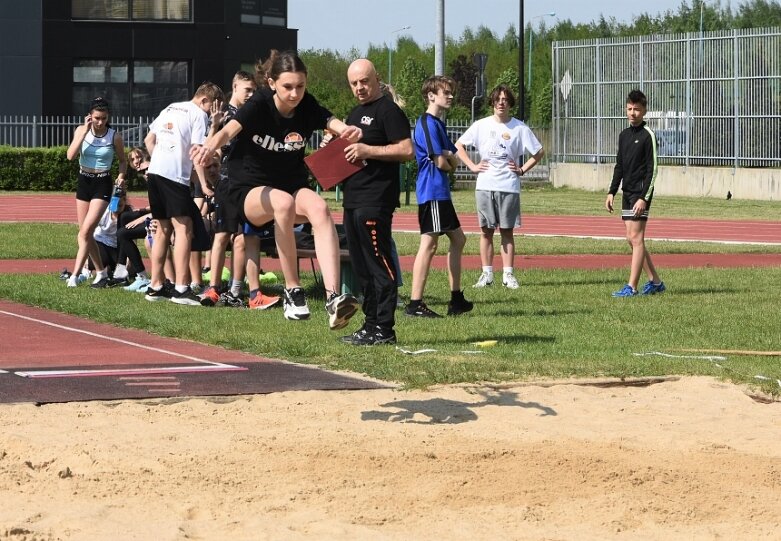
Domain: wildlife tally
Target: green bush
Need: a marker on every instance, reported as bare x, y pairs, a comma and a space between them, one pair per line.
47, 169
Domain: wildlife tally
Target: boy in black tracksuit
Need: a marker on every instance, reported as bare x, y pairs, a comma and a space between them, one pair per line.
635, 172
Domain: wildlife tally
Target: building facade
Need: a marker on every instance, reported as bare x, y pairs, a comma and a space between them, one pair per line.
57, 55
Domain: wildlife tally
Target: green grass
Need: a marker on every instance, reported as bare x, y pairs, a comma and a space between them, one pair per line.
560, 324
58, 241
563, 201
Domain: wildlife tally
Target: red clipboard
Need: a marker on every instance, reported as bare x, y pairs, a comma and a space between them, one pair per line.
329, 166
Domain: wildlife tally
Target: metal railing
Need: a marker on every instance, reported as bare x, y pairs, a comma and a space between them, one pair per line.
50, 131
714, 98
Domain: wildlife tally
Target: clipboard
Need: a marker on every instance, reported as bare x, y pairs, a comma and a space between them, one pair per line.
329, 166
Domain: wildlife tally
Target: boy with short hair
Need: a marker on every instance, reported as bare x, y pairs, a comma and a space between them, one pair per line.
177, 128
635, 172
434, 152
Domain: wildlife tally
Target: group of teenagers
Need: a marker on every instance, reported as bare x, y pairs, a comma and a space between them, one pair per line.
250, 158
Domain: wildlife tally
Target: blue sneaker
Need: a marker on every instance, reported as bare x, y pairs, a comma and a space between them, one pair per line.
651, 288
625, 291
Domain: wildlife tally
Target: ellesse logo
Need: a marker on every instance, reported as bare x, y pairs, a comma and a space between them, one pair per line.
293, 141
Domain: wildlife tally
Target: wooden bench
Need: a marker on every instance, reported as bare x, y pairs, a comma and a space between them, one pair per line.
346, 275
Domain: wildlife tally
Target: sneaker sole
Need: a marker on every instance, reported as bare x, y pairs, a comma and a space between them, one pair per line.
187, 302
342, 315
155, 298
296, 317
489, 284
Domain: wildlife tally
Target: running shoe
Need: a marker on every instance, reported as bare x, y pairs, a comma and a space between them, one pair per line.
650, 288
294, 301
459, 305
162, 294
626, 291
100, 284
65, 274
263, 302
486, 279
117, 282
357, 335
340, 309
210, 297
73, 281
509, 281
139, 285
375, 338
421, 310
186, 297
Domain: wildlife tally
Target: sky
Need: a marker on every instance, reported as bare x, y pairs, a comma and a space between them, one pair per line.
340, 25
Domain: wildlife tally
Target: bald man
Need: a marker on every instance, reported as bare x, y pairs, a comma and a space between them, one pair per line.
370, 197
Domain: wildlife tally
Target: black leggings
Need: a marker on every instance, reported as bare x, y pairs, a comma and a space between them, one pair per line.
126, 240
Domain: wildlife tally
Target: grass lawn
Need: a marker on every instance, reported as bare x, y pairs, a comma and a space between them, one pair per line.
561, 323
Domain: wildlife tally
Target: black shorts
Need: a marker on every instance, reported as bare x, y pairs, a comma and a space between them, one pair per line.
227, 217
436, 217
94, 186
169, 199
238, 193
628, 201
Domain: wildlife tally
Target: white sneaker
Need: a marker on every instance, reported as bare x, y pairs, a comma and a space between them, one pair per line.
340, 309
509, 281
485, 280
138, 284
72, 281
295, 305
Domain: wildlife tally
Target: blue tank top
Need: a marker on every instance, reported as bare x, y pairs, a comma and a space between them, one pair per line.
97, 153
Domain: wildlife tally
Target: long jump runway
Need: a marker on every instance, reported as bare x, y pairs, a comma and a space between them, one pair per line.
50, 357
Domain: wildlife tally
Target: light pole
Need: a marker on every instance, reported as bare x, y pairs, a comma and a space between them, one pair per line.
531, 33
390, 51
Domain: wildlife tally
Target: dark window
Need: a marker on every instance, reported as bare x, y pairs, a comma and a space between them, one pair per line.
143, 90
143, 10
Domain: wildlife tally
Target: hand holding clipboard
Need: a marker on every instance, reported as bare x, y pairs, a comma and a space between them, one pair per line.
329, 165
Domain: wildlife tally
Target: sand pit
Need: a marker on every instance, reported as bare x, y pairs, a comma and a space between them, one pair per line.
687, 459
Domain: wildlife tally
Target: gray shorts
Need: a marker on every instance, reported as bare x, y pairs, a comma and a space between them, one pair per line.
498, 209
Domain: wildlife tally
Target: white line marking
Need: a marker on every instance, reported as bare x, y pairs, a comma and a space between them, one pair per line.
211, 365
129, 371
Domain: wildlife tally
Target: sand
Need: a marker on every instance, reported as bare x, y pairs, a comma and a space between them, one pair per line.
688, 459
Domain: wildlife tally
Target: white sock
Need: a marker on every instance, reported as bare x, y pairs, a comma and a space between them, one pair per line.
488, 270
99, 275
181, 288
120, 271
508, 270
236, 287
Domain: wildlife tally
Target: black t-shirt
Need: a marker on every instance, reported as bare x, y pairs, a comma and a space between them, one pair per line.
377, 184
269, 150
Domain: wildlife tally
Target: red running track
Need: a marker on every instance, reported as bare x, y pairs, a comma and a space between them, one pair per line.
62, 209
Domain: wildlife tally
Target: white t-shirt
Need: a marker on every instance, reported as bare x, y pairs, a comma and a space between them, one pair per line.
498, 143
106, 230
177, 128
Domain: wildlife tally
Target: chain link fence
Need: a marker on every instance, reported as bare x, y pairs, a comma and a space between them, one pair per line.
714, 98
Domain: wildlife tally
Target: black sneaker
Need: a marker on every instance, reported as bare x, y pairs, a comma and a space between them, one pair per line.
360, 333
421, 310
294, 301
187, 297
230, 300
376, 337
116, 282
100, 284
162, 294
340, 309
458, 304
65, 274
